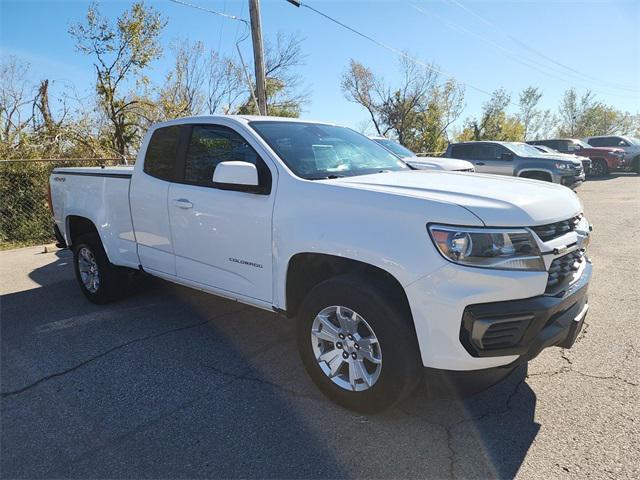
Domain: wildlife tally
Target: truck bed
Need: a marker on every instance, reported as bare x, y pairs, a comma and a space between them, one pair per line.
102, 195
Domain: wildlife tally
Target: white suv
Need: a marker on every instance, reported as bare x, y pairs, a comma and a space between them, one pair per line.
630, 145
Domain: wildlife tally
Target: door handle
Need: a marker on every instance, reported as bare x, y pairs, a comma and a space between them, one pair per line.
479, 163
182, 203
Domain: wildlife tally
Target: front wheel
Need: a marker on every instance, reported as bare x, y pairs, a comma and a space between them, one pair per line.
99, 280
358, 346
599, 168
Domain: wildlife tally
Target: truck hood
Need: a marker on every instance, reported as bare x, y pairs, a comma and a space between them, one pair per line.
597, 150
495, 200
558, 156
438, 163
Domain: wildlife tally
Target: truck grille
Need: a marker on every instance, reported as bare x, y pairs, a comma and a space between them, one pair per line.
554, 230
562, 270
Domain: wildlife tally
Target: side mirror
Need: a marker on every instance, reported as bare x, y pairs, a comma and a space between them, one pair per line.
242, 176
506, 156
622, 143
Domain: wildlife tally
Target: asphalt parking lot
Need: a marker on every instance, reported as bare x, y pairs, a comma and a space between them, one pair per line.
173, 383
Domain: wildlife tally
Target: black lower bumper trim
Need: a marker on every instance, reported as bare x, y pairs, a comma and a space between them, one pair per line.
525, 327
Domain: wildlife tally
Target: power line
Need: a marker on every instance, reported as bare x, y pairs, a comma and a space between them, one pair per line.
392, 49
244, 37
537, 52
539, 67
197, 7
224, 10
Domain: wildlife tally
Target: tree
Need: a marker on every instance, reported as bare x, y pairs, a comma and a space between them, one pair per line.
360, 86
418, 111
182, 93
583, 116
121, 52
15, 95
535, 122
284, 90
444, 106
231, 89
494, 123
225, 84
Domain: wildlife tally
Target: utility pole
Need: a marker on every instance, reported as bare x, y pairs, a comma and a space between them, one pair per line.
258, 55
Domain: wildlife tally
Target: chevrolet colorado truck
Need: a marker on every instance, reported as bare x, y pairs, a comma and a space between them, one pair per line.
518, 159
388, 271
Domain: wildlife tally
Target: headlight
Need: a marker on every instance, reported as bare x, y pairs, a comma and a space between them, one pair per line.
505, 249
563, 166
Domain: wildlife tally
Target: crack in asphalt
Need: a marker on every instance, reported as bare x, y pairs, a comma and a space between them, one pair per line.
245, 376
107, 352
448, 428
570, 368
614, 376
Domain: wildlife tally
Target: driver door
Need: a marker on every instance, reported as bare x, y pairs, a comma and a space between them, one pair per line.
222, 237
496, 159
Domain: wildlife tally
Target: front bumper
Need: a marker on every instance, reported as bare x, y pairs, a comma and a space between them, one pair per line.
443, 299
525, 327
572, 181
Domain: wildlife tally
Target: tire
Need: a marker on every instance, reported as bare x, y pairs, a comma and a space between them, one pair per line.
90, 262
398, 372
599, 168
636, 165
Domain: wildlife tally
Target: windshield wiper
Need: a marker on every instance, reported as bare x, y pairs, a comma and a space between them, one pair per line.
328, 177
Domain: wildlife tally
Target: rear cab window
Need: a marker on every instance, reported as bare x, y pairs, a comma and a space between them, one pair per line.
604, 142
462, 151
160, 158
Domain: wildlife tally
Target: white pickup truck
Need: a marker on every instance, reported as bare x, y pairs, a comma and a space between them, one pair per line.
387, 270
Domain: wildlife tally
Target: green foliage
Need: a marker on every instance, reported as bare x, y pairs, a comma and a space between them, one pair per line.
494, 122
25, 218
277, 106
584, 116
121, 52
417, 112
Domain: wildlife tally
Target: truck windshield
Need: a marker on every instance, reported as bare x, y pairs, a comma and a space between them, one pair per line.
523, 149
395, 147
315, 151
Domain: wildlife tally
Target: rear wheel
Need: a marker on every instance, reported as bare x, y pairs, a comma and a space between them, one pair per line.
358, 346
599, 168
99, 280
635, 166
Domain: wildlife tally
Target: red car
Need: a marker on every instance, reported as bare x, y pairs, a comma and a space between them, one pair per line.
603, 159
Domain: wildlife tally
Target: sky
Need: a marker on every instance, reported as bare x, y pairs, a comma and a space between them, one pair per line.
553, 45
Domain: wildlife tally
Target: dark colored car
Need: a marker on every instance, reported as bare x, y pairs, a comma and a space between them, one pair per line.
603, 159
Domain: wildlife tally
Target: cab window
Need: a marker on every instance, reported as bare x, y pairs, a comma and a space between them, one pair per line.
462, 151
160, 158
212, 144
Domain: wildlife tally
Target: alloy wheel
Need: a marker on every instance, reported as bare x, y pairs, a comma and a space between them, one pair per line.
346, 348
88, 268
